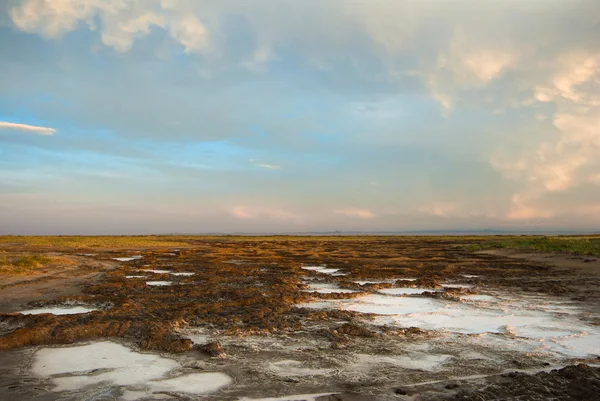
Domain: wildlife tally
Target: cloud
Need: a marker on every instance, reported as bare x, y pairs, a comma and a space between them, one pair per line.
263, 212
257, 163
121, 22
357, 213
440, 209
27, 128
437, 100
269, 166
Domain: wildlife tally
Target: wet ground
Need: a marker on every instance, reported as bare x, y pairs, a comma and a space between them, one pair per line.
398, 318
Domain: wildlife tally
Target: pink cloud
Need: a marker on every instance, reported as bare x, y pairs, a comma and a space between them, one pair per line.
360, 213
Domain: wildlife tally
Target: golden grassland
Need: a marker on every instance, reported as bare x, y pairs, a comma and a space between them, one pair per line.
571, 244
576, 245
11, 263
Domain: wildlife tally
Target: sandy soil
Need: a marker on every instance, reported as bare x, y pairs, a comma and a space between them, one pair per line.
246, 309
583, 264
51, 282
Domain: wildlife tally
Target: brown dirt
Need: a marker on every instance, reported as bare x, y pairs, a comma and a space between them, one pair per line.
245, 286
50, 282
583, 264
249, 287
571, 383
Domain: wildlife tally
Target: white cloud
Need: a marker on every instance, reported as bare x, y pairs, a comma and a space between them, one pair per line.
27, 128
440, 209
190, 32
264, 212
120, 22
459, 55
269, 166
264, 165
358, 213
556, 162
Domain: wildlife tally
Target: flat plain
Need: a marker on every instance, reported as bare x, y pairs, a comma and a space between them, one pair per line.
299, 317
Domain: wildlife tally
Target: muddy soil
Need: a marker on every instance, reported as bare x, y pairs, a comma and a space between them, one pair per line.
232, 305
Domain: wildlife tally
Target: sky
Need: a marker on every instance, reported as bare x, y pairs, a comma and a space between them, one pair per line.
196, 116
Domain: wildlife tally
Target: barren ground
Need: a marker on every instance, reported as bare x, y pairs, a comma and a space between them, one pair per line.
285, 330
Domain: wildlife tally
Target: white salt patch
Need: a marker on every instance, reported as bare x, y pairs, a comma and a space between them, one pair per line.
65, 310
386, 305
405, 291
128, 259
388, 281
541, 332
579, 345
526, 324
450, 285
157, 271
194, 383
290, 367
363, 282
118, 365
89, 254
470, 276
557, 308
322, 269
103, 362
295, 397
464, 319
182, 274
159, 283
327, 289
198, 338
479, 298
427, 362
135, 276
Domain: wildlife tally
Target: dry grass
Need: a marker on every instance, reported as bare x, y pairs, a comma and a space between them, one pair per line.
22, 264
576, 245
85, 242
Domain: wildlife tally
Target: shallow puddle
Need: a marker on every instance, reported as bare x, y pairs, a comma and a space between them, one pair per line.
128, 259
157, 271
73, 368
406, 291
324, 270
327, 289
528, 323
455, 285
59, 310
363, 282
159, 283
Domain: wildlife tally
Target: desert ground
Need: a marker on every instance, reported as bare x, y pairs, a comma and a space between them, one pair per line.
299, 318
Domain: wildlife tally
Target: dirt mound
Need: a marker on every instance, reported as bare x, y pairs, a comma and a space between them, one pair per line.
580, 382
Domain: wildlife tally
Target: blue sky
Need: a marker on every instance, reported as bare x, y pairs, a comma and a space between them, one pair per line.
156, 116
